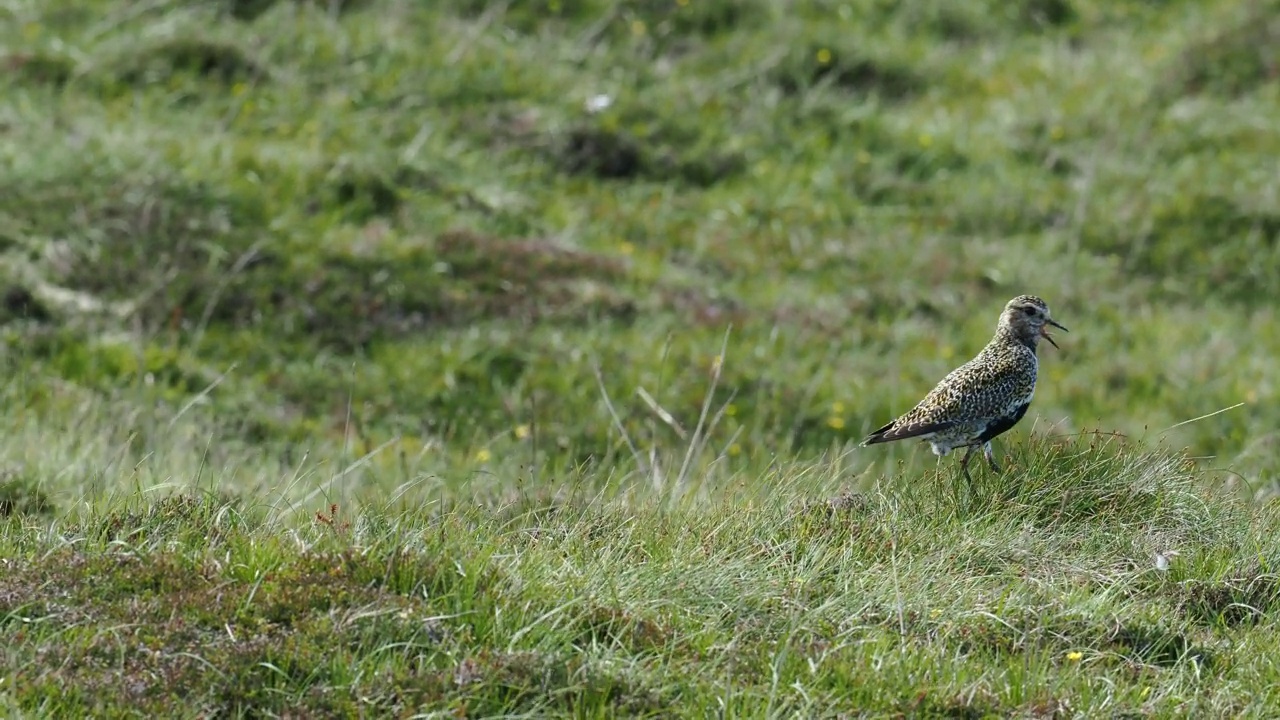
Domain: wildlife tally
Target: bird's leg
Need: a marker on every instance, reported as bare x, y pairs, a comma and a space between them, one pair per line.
964, 463
991, 457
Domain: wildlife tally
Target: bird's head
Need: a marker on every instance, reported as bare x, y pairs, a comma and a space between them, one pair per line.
1027, 316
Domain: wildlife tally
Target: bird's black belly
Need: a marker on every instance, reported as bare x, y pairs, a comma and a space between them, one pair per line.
1000, 425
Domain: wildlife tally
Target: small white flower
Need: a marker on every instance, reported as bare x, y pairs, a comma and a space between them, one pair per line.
1162, 559
596, 103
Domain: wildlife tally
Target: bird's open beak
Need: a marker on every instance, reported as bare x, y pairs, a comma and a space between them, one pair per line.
1044, 334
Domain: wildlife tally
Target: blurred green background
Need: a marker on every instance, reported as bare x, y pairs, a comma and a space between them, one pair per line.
434, 237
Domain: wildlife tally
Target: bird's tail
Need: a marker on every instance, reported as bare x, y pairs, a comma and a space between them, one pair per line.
879, 436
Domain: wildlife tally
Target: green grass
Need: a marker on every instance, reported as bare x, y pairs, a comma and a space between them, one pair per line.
1034, 593
354, 366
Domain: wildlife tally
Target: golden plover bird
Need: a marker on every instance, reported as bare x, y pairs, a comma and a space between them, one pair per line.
984, 397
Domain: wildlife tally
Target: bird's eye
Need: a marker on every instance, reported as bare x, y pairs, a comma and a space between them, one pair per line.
1030, 310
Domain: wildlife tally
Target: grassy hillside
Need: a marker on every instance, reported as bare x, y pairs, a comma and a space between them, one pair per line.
576, 309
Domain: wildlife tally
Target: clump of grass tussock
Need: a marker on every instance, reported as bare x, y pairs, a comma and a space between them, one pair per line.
222, 62
1095, 478
20, 495
1237, 57
38, 69
1094, 506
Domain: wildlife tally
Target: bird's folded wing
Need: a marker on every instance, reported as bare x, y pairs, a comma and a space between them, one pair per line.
905, 430
975, 395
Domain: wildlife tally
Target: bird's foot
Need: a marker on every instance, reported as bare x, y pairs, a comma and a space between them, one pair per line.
991, 459
964, 466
